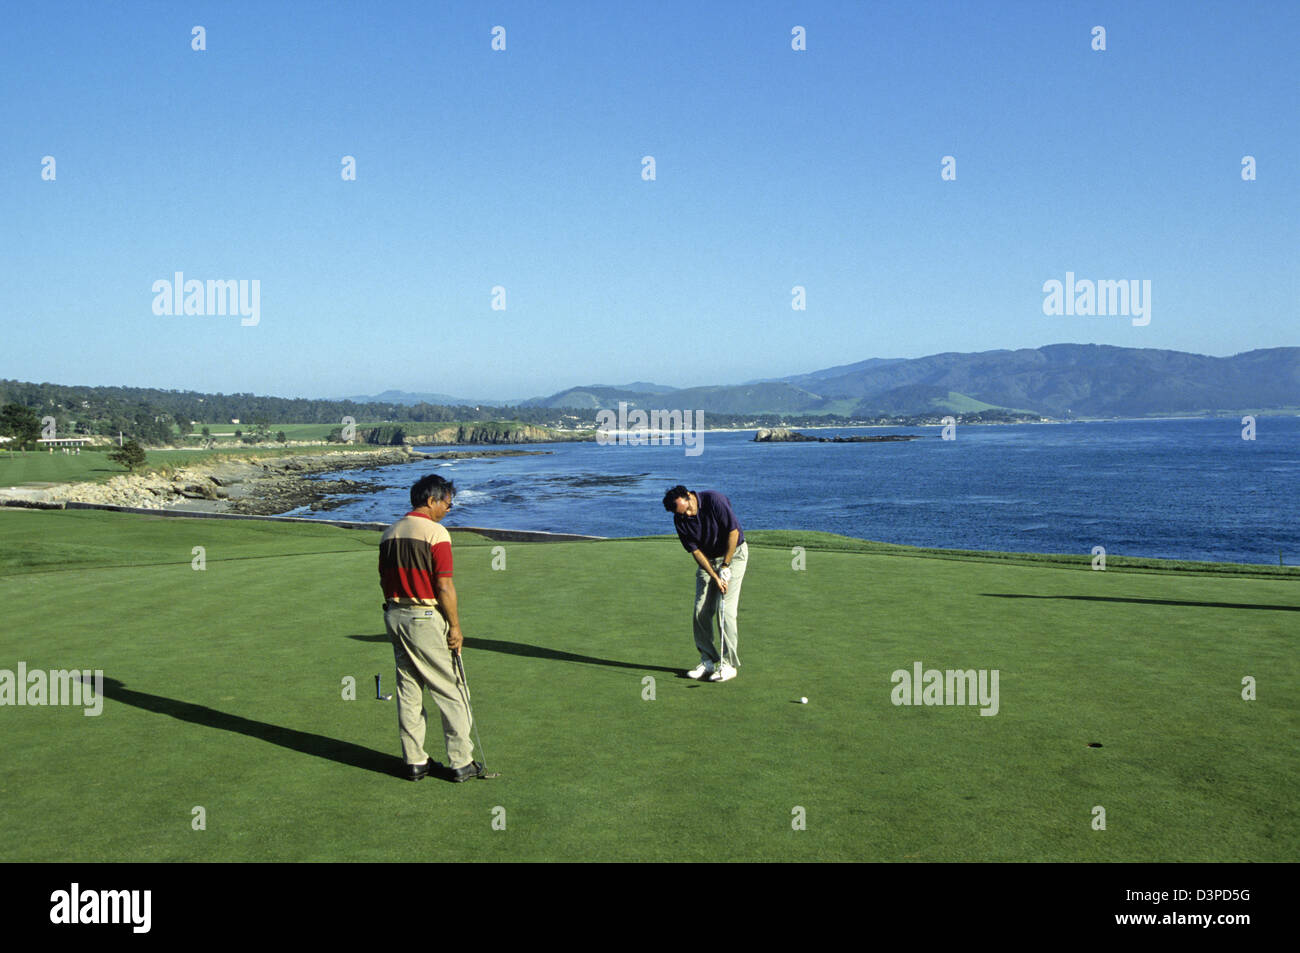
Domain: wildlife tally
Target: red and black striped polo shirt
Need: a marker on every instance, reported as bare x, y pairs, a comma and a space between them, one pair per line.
412, 553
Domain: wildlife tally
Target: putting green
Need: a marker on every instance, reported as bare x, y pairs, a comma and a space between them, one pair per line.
224, 693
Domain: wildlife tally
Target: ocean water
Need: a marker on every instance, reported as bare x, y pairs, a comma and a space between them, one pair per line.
1174, 489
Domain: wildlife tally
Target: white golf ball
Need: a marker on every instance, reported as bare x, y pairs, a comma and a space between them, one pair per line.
803, 701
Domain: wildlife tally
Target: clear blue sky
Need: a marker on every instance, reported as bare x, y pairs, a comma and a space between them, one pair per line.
522, 168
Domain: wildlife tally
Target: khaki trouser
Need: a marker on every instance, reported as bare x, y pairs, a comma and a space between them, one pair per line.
706, 607
419, 637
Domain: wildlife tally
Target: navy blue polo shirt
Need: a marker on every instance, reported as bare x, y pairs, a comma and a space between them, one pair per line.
708, 530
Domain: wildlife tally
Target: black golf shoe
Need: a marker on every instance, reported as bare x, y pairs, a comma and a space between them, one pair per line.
417, 772
471, 770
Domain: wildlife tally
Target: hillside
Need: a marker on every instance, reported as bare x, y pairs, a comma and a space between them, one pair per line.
1059, 380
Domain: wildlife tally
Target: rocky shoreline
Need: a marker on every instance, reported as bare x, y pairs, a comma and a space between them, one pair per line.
258, 486
488, 433
784, 435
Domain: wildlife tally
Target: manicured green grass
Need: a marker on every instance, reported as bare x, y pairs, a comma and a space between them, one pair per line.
94, 466
227, 696
292, 431
305, 431
41, 466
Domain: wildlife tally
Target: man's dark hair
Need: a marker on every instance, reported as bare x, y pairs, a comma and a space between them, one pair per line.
673, 495
431, 486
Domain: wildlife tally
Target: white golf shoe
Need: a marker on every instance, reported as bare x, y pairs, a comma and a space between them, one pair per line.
703, 670
723, 674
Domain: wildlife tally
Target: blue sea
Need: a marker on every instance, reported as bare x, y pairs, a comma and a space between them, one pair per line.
1173, 489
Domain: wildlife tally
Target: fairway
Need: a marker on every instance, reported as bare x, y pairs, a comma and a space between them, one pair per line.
224, 692
42, 467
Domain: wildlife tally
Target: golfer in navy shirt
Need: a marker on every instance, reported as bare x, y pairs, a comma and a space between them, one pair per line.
710, 532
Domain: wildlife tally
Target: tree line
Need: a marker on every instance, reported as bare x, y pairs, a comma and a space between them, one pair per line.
153, 416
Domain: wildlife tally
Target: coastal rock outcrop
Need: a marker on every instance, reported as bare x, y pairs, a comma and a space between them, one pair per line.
780, 435
783, 435
492, 434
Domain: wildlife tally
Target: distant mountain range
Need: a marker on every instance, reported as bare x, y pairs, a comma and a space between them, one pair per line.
1059, 380
583, 397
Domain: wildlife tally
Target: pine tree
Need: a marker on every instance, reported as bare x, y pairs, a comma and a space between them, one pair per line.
130, 455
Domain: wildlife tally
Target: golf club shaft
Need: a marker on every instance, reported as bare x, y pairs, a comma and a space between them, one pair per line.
722, 630
463, 683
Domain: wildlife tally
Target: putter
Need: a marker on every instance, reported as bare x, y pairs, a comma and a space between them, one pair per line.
722, 633
463, 684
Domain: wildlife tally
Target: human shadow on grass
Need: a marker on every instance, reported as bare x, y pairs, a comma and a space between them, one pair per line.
536, 651
1148, 602
332, 749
